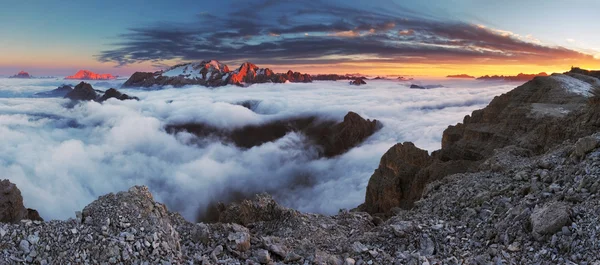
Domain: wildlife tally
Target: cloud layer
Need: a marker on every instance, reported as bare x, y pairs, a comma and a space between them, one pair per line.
324, 32
63, 158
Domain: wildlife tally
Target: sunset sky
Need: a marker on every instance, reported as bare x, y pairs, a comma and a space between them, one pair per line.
428, 38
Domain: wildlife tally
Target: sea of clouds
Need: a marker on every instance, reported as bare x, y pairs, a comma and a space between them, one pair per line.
62, 157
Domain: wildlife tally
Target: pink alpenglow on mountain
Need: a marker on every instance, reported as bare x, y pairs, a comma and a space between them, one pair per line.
21, 74
89, 75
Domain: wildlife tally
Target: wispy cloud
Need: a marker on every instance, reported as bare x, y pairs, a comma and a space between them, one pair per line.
273, 34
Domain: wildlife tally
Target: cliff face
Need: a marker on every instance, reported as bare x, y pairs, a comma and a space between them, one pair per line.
531, 117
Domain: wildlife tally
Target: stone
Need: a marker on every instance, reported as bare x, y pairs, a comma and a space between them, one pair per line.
549, 219
263, 256
585, 145
24, 246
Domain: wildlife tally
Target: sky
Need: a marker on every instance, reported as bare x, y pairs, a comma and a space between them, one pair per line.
379, 37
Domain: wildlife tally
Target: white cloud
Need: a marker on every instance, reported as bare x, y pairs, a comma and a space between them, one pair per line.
63, 158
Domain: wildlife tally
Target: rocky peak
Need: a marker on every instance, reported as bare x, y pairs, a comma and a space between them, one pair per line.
245, 74
348, 134
119, 213
82, 91
21, 74
89, 75
113, 93
390, 185
358, 82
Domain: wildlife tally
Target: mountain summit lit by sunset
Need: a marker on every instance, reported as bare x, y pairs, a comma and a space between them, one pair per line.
326, 132
381, 37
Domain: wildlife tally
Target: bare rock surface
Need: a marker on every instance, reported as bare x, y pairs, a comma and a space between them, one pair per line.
532, 118
12, 209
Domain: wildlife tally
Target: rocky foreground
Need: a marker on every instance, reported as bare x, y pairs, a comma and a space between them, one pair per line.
516, 183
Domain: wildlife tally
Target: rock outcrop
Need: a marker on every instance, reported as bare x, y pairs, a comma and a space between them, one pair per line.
11, 205
390, 185
82, 91
113, 93
21, 74
343, 136
85, 92
60, 92
89, 75
358, 82
331, 138
530, 117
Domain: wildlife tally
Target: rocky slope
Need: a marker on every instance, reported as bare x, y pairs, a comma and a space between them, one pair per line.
213, 74
515, 210
532, 117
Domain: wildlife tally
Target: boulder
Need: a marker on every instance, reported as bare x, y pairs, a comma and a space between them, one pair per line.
585, 145
82, 91
358, 82
11, 205
549, 219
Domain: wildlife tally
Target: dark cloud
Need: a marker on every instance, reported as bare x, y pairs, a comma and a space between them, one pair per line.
276, 32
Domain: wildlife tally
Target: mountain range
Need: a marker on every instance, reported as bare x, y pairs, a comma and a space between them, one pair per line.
515, 183
89, 75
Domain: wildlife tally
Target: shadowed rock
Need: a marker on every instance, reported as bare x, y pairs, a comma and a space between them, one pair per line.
113, 93
358, 82
525, 117
82, 91
391, 183
11, 205
333, 139
61, 91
